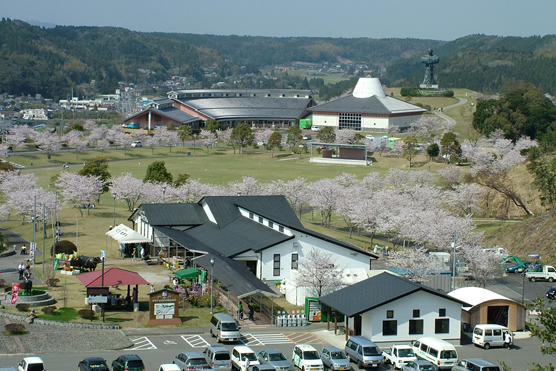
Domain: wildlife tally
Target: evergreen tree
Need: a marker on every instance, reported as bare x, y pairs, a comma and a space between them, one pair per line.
157, 173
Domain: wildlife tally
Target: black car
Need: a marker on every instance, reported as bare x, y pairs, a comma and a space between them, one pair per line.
550, 293
93, 363
128, 362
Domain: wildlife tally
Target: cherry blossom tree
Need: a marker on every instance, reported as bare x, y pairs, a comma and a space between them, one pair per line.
465, 199
450, 177
247, 187
325, 193
3, 150
345, 136
263, 136
76, 140
128, 188
296, 191
123, 139
79, 190
483, 264
190, 191
209, 139
47, 142
318, 272
226, 137
172, 138
17, 136
425, 126
97, 136
417, 264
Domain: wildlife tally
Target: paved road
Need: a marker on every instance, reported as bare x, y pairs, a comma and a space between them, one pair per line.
451, 121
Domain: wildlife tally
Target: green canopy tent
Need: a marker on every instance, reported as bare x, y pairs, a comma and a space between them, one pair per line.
189, 273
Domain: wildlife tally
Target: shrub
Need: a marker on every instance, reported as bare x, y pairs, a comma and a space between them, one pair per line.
15, 328
52, 282
86, 314
200, 301
49, 310
65, 247
22, 307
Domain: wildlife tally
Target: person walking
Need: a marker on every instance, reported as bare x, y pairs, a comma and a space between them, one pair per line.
239, 310
508, 339
134, 254
21, 269
152, 287
32, 316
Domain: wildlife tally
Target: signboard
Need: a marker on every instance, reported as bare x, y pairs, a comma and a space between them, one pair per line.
98, 290
32, 248
313, 308
103, 254
97, 299
15, 292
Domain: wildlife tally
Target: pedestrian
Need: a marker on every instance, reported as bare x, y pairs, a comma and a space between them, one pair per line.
176, 283
152, 287
251, 311
134, 254
21, 269
246, 363
23, 250
135, 295
28, 267
32, 316
142, 252
122, 250
239, 310
508, 339
376, 248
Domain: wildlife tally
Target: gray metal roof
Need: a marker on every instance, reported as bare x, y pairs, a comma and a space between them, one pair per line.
170, 112
174, 214
250, 107
372, 105
374, 292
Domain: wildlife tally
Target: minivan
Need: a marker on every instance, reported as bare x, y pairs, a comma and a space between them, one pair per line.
224, 327
364, 352
437, 351
218, 357
475, 364
306, 358
487, 336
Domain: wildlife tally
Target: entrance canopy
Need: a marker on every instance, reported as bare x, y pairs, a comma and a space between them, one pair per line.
112, 277
189, 273
124, 234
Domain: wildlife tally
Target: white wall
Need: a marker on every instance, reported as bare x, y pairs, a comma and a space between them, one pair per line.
325, 120
371, 123
404, 121
428, 304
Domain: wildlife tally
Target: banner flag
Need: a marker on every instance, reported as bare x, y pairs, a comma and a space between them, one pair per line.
15, 292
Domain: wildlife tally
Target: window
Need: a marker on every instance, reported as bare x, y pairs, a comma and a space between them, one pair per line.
389, 327
295, 258
416, 313
497, 332
276, 264
415, 327
270, 224
488, 333
251, 216
441, 326
350, 121
281, 228
389, 314
261, 219
442, 312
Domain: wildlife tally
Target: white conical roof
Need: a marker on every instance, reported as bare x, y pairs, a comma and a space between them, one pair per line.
367, 87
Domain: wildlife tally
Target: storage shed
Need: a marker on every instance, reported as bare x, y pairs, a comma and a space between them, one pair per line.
490, 307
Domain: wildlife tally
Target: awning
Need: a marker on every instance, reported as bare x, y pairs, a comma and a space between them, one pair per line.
235, 276
189, 273
124, 234
112, 277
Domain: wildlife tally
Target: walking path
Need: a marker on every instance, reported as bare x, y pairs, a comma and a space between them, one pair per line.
461, 101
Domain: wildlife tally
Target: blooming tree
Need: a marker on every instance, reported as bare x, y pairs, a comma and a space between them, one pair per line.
318, 272
425, 126
345, 136
128, 188
17, 136
47, 142
209, 139
325, 193
417, 264
79, 190
247, 187
465, 199
76, 140
3, 150
263, 136
483, 264
172, 138
450, 177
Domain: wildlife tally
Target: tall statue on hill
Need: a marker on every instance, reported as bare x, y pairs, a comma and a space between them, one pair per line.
429, 60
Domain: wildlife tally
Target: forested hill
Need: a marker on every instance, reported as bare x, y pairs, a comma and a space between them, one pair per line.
486, 63
52, 61
55, 60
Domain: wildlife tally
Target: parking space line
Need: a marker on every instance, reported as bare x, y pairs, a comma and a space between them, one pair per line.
264, 339
304, 337
195, 341
142, 343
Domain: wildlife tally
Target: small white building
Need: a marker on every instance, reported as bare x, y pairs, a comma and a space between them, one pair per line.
387, 308
367, 109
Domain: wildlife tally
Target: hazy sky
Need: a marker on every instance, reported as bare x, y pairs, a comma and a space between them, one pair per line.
424, 19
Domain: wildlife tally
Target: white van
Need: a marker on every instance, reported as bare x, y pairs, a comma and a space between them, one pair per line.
437, 351
487, 336
224, 327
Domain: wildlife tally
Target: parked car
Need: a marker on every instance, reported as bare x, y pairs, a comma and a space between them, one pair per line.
399, 355
363, 351
240, 354
548, 273
128, 362
475, 364
137, 143
334, 359
169, 367
191, 361
93, 363
307, 137
224, 327
551, 291
306, 358
264, 367
31, 364
275, 358
487, 336
517, 268
218, 357
420, 365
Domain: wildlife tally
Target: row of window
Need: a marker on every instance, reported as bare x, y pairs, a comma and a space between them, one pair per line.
441, 325
276, 264
349, 121
270, 223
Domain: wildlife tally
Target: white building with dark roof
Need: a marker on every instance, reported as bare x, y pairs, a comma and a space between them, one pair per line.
367, 109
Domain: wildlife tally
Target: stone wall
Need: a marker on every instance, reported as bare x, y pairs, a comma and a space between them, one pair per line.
64, 324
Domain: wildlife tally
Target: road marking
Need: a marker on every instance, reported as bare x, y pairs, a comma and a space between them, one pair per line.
142, 343
304, 337
264, 339
195, 341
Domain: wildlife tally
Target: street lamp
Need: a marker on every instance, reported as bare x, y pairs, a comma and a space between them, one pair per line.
114, 221
163, 194
211, 281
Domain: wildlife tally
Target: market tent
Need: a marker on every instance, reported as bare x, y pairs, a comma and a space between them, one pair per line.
123, 234
112, 277
189, 273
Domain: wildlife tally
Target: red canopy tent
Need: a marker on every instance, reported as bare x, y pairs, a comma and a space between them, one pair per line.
113, 277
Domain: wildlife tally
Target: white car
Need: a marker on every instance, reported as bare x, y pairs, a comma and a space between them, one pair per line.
243, 357
307, 358
137, 143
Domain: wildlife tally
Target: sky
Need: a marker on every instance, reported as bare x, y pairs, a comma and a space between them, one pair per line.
421, 19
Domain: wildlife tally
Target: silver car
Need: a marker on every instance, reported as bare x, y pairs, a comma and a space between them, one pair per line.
191, 361
275, 358
334, 359
420, 365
